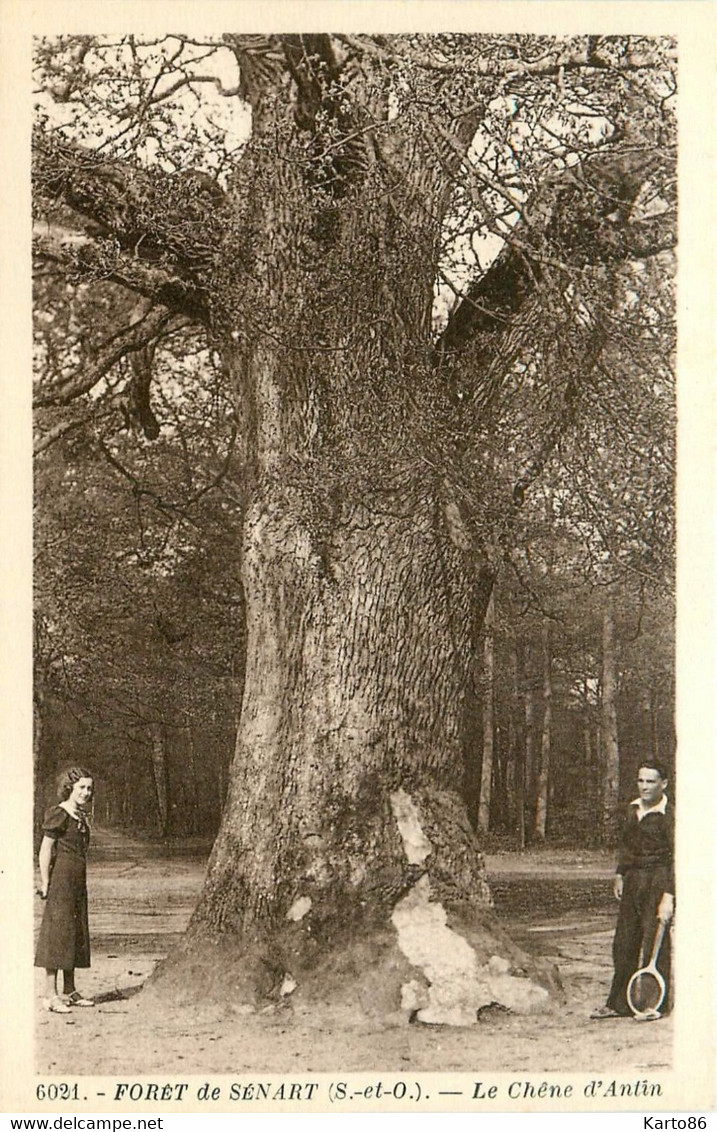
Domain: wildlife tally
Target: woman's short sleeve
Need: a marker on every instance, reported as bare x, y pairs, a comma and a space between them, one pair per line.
55, 822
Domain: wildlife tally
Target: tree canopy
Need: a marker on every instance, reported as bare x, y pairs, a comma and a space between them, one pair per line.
537, 167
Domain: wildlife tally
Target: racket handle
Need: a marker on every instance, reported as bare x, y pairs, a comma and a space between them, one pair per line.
659, 936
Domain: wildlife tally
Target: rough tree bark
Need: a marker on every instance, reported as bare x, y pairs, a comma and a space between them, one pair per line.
346, 864
128, 792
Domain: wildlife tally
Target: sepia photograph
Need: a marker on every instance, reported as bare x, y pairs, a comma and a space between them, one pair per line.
356, 750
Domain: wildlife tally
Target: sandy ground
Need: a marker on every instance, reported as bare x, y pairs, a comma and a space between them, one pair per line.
555, 902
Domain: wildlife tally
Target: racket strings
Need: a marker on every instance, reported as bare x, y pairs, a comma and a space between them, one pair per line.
646, 992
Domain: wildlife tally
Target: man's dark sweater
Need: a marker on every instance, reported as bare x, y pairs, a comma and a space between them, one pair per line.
647, 844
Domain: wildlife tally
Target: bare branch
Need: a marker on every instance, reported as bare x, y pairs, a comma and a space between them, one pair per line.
157, 322
140, 490
190, 80
56, 433
579, 370
393, 50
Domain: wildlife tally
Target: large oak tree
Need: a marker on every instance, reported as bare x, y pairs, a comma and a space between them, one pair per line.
416, 260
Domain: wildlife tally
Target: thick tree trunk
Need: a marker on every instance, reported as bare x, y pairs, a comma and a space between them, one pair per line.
610, 744
346, 875
221, 787
346, 870
488, 723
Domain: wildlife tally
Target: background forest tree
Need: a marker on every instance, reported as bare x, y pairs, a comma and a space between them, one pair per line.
354, 402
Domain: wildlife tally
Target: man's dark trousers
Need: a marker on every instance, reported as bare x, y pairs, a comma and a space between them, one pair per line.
635, 933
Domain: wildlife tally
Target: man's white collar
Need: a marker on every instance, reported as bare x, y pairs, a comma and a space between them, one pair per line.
659, 807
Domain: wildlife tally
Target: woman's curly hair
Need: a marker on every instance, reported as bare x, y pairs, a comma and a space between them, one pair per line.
68, 778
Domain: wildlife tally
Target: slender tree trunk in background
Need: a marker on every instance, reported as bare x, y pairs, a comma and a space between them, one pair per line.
127, 793
588, 747
192, 779
38, 703
221, 787
502, 768
610, 744
510, 777
592, 773
529, 757
113, 807
654, 722
599, 779
488, 722
160, 774
587, 729
517, 798
541, 807
237, 685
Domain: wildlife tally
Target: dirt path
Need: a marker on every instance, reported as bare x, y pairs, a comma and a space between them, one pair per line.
554, 902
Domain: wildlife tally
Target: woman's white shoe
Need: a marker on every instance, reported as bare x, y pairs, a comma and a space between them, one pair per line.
57, 1006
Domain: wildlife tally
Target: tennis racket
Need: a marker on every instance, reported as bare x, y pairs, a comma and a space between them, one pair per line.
646, 990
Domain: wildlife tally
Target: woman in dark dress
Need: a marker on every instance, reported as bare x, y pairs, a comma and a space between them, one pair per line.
64, 941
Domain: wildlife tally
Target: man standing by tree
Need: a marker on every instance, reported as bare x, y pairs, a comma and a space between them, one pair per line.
644, 885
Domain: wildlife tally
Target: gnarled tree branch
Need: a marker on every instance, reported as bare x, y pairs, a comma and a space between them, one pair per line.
62, 428
90, 256
137, 226
579, 217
